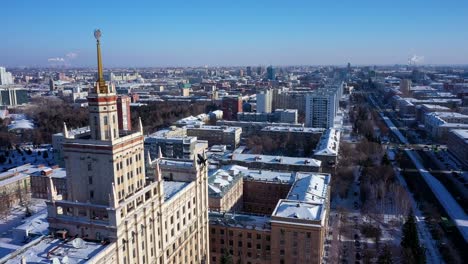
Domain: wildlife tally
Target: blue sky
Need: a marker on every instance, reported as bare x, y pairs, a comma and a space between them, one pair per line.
241, 32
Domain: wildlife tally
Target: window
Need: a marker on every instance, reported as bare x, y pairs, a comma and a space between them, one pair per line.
106, 121
91, 194
90, 179
113, 118
90, 166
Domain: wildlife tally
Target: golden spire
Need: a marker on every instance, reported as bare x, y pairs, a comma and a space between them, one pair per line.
101, 86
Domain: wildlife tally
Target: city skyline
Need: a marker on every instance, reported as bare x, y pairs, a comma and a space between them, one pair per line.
235, 34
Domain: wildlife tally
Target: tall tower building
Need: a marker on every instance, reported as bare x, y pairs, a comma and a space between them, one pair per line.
271, 75
322, 105
405, 86
264, 101
249, 71
140, 217
5, 77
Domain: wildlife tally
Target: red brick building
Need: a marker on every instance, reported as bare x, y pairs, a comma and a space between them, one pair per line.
231, 105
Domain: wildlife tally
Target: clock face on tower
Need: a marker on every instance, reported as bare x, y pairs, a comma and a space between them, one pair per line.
97, 34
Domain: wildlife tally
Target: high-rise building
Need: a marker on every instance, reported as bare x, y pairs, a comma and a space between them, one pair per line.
249, 71
405, 86
52, 86
231, 105
155, 217
124, 113
5, 77
259, 70
271, 75
10, 96
264, 101
322, 106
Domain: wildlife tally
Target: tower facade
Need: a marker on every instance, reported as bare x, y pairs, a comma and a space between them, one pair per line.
112, 199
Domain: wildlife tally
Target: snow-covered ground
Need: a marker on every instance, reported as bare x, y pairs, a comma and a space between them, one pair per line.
445, 198
34, 158
16, 218
432, 252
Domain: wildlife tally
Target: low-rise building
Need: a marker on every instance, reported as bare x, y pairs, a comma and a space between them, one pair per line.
40, 181
225, 190
422, 110
217, 135
328, 147
290, 228
307, 135
457, 144
253, 128
279, 115
281, 163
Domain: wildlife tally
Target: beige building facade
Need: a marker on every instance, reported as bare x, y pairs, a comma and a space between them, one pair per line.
144, 218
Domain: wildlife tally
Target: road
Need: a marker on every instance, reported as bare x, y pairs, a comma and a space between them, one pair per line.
445, 198
432, 252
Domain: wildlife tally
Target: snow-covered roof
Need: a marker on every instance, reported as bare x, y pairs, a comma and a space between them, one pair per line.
309, 187
37, 251
306, 199
276, 160
299, 210
20, 124
292, 129
190, 120
329, 143
171, 188
270, 176
461, 133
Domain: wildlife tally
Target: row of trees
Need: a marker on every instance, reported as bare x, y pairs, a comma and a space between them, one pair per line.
280, 145
20, 195
163, 114
48, 115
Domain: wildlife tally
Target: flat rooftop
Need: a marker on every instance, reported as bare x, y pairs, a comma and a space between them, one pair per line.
292, 129
299, 210
461, 133
37, 251
225, 129
171, 188
176, 162
75, 132
329, 143
242, 220
306, 199
277, 160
